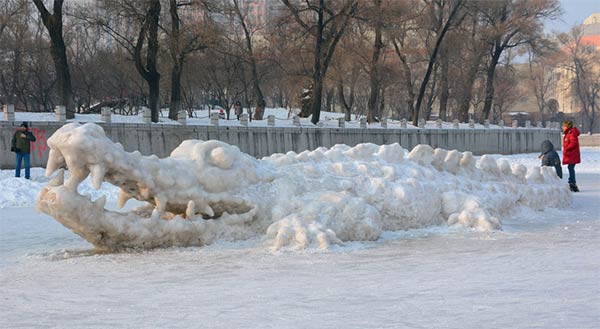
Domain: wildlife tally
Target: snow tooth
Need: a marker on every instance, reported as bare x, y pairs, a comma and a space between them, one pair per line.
161, 202
101, 202
123, 198
190, 211
97, 172
59, 179
207, 210
76, 175
55, 160
144, 192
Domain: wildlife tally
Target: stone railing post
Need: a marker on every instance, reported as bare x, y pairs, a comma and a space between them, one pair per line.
363, 122
501, 123
421, 123
455, 124
384, 123
471, 123
341, 122
271, 120
296, 121
527, 124
438, 123
214, 119
515, 124
9, 112
182, 117
486, 123
147, 115
106, 114
548, 124
244, 119
61, 113
403, 123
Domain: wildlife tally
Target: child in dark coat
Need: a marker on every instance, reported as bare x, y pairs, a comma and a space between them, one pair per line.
550, 157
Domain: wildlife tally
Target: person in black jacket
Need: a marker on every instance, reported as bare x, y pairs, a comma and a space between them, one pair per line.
550, 157
21, 145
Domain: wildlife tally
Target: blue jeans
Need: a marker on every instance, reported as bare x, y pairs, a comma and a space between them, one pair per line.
20, 157
571, 168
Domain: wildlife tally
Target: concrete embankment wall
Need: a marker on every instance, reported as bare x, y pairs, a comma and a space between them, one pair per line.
160, 139
589, 140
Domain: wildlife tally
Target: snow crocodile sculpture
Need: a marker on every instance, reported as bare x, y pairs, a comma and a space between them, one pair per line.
209, 190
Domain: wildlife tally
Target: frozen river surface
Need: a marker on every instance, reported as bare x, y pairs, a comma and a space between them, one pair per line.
541, 271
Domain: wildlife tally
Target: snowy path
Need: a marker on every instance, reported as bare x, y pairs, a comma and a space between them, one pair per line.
542, 271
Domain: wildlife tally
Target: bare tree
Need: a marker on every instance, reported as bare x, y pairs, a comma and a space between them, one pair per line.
511, 23
326, 23
148, 69
241, 18
542, 67
507, 93
473, 49
120, 20
454, 18
14, 37
58, 50
376, 20
585, 79
184, 40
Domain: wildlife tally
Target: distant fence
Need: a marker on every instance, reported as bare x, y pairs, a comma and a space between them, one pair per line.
160, 139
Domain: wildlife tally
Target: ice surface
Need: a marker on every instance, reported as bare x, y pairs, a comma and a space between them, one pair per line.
209, 190
540, 271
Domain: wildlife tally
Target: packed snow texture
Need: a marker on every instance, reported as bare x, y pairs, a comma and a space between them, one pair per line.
209, 190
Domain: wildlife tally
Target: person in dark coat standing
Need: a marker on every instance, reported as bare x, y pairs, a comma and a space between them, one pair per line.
550, 158
21, 145
571, 155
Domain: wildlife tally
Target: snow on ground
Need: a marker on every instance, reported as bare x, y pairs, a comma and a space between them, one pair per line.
540, 271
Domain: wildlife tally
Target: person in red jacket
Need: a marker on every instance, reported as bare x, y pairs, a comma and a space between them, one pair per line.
571, 155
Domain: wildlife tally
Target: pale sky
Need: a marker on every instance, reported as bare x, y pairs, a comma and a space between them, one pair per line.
575, 11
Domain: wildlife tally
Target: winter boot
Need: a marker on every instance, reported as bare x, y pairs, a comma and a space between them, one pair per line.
573, 187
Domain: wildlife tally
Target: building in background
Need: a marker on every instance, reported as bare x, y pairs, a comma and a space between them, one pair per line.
560, 98
590, 41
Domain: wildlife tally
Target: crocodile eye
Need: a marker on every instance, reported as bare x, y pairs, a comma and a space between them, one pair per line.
222, 157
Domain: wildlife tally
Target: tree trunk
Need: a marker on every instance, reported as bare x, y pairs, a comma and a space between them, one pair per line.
431, 96
175, 104
381, 112
149, 71
372, 113
329, 100
317, 78
489, 85
444, 89
432, 59
58, 51
466, 95
317, 98
260, 99
329, 40
345, 103
177, 58
407, 78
